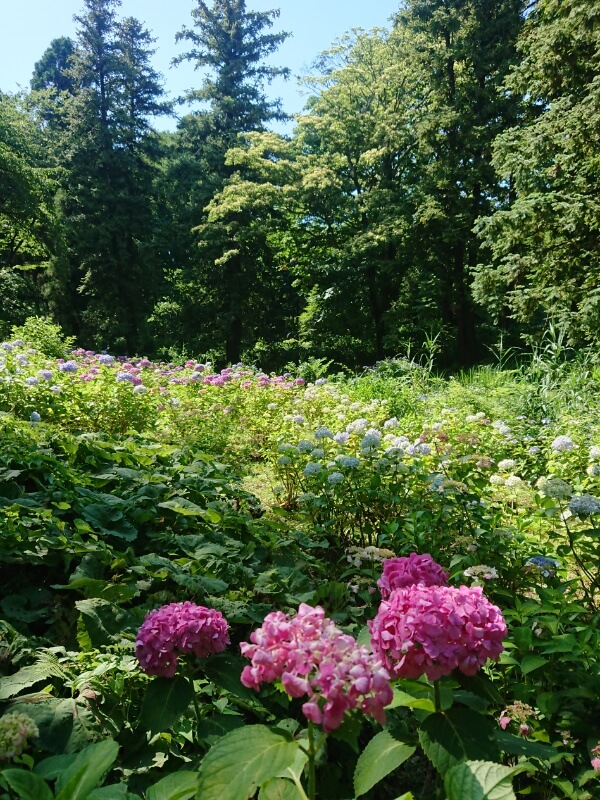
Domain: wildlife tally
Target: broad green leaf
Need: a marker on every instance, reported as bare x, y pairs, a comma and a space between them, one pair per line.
381, 756
279, 789
182, 506
101, 621
177, 786
242, 761
164, 702
481, 780
116, 791
86, 771
518, 746
27, 785
531, 663
12, 685
224, 670
456, 735
405, 700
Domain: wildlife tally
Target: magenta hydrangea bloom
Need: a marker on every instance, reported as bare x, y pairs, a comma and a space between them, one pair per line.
177, 629
311, 656
408, 571
432, 630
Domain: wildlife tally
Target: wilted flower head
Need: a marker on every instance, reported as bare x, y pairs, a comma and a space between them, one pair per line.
15, 729
177, 629
562, 444
584, 505
408, 571
311, 656
432, 630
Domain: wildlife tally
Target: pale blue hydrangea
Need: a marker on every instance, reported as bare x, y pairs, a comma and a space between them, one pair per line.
35, 417
555, 487
371, 440
284, 461
45, 374
125, 377
140, 389
562, 444
22, 360
348, 462
31, 380
341, 438
7, 346
422, 449
546, 566
305, 446
320, 381
584, 505
391, 423
323, 433
298, 419
312, 468
533, 450
318, 453
335, 478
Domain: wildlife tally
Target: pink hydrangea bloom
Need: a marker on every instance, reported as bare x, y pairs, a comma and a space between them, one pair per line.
313, 657
408, 571
177, 629
432, 630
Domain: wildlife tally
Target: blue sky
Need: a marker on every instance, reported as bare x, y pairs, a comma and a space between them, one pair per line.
27, 28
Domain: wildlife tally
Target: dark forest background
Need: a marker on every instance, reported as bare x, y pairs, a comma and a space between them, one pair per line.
440, 192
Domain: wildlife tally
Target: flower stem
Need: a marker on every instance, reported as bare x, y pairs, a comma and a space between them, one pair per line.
311, 761
436, 696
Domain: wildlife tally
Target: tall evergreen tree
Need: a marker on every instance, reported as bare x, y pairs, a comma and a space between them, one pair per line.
231, 43
462, 50
108, 200
543, 254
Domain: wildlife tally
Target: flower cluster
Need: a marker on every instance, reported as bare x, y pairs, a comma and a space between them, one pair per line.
546, 566
177, 629
596, 759
313, 657
433, 630
520, 713
15, 729
584, 505
408, 571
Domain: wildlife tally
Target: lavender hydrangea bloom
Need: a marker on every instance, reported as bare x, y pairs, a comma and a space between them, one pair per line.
562, 444
125, 377
68, 366
105, 359
584, 505
177, 629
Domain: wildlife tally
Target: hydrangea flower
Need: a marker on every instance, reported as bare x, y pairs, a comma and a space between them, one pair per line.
15, 729
341, 438
68, 366
140, 389
432, 630
408, 571
311, 656
584, 505
312, 468
507, 464
35, 417
596, 760
555, 487
323, 433
348, 462
547, 566
125, 377
31, 380
358, 425
105, 359
177, 629
335, 478
45, 374
594, 452
562, 444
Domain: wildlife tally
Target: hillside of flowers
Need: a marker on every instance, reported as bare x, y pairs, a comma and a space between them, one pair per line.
224, 584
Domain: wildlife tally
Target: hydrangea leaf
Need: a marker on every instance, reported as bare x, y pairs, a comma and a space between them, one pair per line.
27, 785
456, 735
481, 780
164, 702
177, 786
381, 756
244, 760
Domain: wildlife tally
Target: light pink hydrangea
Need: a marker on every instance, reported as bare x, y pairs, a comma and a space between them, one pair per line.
408, 571
432, 630
313, 657
177, 629
596, 759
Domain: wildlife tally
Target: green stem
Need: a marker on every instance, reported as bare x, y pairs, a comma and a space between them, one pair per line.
311, 761
436, 696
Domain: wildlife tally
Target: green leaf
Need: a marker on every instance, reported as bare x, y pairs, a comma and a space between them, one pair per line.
242, 761
531, 663
456, 735
182, 506
27, 785
405, 700
279, 789
481, 780
224, 670
116, 791
177, 786
518, 746
11, 685
164, 702
381, 756
86, 771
